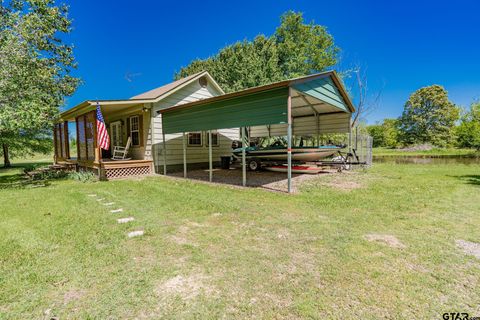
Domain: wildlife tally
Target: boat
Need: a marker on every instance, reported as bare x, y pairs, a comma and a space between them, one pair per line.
295, 169
278, 152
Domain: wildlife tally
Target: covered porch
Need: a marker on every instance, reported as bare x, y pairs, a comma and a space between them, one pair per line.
125, 120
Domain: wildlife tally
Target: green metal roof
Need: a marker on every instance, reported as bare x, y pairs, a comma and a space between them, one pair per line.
261, 108
323, 89
263, 105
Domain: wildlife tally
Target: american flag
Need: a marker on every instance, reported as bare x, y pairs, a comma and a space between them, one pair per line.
103, 140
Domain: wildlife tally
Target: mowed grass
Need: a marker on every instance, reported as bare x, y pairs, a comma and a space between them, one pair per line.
434, 152
213, 251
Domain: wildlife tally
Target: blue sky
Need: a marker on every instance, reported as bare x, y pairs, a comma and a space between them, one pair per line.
404, 45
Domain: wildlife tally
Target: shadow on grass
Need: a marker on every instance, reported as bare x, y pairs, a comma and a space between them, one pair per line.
473, 179
14, 177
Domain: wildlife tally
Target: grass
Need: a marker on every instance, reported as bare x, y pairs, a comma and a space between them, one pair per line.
217, 251
435, 152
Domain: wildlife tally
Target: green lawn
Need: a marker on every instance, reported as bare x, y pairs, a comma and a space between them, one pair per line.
435, 152
223, 252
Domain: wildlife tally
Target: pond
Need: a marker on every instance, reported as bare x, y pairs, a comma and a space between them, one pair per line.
426, 160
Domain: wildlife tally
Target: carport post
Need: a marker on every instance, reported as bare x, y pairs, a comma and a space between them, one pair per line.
244, 165
164, 154
289, 138
184, 156
210, 165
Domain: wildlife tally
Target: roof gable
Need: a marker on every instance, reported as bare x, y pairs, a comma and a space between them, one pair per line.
170, 87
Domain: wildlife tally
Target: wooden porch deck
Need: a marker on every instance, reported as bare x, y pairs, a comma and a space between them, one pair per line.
108, 169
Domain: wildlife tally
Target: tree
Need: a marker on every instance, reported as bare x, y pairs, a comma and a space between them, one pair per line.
468, 132
428, 117
295, 49
35, 68
365, 102
384, 134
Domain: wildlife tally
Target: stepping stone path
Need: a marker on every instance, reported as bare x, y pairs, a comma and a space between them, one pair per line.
125, 220
131, 234
135, 233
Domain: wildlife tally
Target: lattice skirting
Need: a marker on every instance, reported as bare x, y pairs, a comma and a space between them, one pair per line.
113, 173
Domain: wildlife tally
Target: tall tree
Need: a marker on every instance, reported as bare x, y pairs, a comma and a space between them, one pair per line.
468, 132
295, 49
35, 67
428, 117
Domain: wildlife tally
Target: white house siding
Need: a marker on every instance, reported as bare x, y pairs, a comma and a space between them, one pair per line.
174, 142
329, 123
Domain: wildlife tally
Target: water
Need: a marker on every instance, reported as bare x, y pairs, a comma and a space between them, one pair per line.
426, 160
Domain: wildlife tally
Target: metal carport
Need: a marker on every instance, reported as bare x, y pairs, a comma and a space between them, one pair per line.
276, 105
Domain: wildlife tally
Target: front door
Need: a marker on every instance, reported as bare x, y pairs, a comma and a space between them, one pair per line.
116, 134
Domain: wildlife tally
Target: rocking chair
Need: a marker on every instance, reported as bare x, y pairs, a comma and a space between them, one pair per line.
120, 153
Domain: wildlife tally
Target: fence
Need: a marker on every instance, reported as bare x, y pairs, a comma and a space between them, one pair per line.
361, 146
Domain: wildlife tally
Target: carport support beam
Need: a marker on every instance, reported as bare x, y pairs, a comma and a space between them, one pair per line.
210, 165
184, 156
289, 139
244, 165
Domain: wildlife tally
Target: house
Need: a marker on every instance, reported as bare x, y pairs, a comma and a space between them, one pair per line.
139, 119
168, 126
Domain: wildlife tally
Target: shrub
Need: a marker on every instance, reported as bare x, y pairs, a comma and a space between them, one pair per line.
82, 176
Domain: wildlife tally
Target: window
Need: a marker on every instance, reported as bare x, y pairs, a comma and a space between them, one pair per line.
195, 139
81, 138
135, 131
90, 124
214, 138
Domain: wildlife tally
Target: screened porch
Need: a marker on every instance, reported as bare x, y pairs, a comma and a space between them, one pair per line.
124, 123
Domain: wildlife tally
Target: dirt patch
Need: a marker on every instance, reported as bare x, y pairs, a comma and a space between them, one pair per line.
272, 181
344, 185
186, 287
470, 248
387, 239
182, 237
72, 295
345, 181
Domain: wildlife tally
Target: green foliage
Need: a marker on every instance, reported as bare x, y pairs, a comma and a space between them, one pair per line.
82, 176
384, 134
35, 68
468, 132
428, 117
295, 49
303, 48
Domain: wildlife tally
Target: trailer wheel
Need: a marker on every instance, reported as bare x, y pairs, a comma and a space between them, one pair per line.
253, 165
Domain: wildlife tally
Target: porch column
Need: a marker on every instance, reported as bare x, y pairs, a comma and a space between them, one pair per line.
244, 165
184, 156
289, 139
210, 165
164, 154
67, 140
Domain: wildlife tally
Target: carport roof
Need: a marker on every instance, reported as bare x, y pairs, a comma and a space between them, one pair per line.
325, 86
313, 95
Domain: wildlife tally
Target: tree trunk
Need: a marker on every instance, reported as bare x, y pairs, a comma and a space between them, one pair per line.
6, 158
